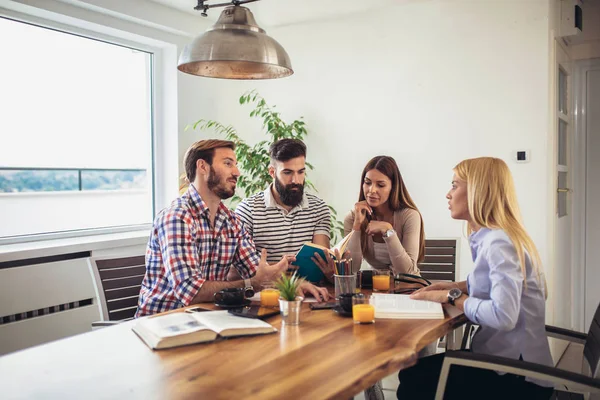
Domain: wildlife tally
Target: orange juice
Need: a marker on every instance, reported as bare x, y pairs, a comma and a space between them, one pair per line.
269, 298
381, 283
363, 313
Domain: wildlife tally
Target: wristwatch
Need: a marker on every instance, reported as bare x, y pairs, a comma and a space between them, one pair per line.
389, 233
454, 294
248, 289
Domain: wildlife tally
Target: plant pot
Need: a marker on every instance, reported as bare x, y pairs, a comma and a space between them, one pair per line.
290, 310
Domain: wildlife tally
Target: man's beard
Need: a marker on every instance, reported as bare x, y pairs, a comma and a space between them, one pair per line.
288, 196
218, 185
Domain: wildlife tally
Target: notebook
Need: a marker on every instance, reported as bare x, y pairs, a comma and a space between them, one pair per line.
179, 329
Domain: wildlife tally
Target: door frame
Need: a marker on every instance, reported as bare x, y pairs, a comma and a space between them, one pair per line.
579, 178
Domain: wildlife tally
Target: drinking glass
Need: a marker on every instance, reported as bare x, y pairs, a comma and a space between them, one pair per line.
269, 296
381, 280
362, 311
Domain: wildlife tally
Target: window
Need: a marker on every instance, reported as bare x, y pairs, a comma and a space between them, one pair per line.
76, 133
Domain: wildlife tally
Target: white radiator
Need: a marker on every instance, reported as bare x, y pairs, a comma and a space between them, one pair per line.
44, 302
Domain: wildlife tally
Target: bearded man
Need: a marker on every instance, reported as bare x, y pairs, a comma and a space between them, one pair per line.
197, 240
283, 217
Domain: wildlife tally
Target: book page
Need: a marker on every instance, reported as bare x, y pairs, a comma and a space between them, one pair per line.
172, 325
341, 246
403, 304
220, 321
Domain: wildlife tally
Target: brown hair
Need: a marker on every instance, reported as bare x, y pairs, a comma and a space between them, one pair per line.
286, 149
399, 198
205, 150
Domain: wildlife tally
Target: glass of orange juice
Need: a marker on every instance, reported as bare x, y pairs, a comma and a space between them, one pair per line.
269, 296
381, 280
362, 311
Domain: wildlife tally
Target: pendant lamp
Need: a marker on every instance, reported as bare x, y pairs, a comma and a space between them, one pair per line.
235, 48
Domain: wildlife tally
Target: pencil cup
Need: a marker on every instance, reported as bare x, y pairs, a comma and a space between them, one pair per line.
344, 284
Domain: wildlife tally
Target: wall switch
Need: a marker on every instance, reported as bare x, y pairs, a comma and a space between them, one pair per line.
522, 156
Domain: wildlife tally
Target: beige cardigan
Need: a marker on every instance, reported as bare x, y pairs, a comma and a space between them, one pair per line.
403, 247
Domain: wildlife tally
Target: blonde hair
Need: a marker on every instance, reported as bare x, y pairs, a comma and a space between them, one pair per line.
492, 202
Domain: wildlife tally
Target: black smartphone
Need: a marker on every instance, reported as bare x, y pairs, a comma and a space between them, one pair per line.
323, 306
195, 309
254, 312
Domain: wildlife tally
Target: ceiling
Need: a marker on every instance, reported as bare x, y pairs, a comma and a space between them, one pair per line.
286, 12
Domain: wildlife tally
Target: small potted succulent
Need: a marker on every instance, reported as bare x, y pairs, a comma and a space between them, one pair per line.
289, 300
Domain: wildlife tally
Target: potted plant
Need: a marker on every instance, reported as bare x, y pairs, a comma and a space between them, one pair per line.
289, 300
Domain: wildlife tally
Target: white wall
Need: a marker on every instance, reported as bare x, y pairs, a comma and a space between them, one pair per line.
429, 83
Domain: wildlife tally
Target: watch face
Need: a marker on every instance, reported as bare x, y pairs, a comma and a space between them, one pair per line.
249, 292
455, 293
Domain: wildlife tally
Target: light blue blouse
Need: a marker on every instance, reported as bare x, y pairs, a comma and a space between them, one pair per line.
511, 316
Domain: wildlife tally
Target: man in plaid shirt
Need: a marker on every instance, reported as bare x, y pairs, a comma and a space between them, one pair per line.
197, 239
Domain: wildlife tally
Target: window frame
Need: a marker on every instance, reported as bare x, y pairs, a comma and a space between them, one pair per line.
89, 30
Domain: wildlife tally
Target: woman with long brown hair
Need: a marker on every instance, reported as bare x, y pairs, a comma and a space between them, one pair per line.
390, 224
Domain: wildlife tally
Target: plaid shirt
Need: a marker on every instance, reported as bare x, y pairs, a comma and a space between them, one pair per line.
184, 251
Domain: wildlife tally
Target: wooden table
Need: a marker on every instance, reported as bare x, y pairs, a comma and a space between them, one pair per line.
327, 356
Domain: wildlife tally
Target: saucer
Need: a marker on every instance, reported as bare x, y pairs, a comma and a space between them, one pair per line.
245, 303
341, 311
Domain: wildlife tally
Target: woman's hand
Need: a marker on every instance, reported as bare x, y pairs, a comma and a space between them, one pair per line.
361, 209
439, 296
378, 227
438, 286
319, 293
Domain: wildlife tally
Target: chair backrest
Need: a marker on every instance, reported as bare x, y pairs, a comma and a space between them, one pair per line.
440, 260
119, 281
591, 350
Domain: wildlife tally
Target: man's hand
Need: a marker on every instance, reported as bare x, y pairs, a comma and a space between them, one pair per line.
266, 272
319, 293
326, 266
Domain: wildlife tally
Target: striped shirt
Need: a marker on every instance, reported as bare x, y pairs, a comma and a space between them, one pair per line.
184, 251
281, 232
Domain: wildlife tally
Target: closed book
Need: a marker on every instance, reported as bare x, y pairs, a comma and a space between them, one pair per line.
180, 329
310, 270
401, 306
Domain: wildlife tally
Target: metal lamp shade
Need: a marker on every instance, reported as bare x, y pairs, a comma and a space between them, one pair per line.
235, 48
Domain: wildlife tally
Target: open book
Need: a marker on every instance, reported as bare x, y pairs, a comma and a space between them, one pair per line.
307, 268
401, 306
179, 329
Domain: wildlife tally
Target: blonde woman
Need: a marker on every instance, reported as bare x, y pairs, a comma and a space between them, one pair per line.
505, 294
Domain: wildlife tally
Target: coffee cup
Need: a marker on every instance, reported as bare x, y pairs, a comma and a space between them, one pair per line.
346, 302
230, 296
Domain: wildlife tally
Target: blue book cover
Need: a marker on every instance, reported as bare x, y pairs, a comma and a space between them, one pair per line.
307, 268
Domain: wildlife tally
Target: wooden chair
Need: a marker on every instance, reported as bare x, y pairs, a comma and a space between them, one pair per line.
440, 260
118, 283
440, 264
584, 383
